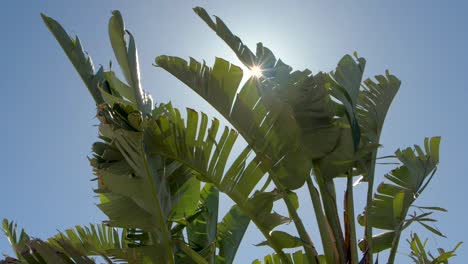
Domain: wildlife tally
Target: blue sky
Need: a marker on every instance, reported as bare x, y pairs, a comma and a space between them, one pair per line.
48, 122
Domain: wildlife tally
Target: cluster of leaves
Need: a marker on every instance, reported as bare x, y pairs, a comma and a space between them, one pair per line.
159, 174
419, 255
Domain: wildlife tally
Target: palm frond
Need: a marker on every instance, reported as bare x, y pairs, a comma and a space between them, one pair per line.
392, 200
373, 104
263, 127
36, 251
171, 137
97, 240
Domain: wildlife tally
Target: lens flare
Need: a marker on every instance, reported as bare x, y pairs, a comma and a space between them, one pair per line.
256, 71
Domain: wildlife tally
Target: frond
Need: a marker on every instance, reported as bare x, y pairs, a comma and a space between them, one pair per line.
392, 200
36, 251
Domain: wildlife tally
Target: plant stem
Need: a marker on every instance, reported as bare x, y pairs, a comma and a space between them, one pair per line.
370, 192
329, 247
331, 212
351, 220
311, 252
396, 241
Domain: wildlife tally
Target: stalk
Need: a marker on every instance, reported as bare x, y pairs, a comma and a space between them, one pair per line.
351, 220
311, 252
396, 241
329, 247
331, 212
370, 192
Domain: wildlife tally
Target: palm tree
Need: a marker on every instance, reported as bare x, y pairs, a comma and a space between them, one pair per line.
159, 172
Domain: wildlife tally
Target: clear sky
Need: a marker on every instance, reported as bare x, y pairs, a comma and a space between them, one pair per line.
48, 122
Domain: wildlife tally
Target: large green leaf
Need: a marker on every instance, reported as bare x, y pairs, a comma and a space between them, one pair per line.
127, 57
127, 197
141, 190
199, 149
307, 95
346, 87
263, 128
193, 146
284, 240
202, 232
284, 115
373, 104
392, 200
81, 62
231, 230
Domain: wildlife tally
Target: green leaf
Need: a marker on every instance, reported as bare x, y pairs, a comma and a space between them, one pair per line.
419, 253
192, 254
373, 104
398, 204
119, 45
346, 86
433, 208
173, 138
286, 116
284, 240
202, 232
393, 200
76, 55
185, 197
380, 242
97, 240
432, 229
19, 242
127, 57
231, 230
36, 251
243, 52
120, 87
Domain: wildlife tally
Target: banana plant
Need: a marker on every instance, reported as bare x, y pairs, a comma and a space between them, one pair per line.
159, 170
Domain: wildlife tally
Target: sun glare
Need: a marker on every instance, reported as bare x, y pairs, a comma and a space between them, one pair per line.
256, 71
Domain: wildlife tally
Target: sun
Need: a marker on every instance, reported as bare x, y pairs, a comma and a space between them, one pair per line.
256, 71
